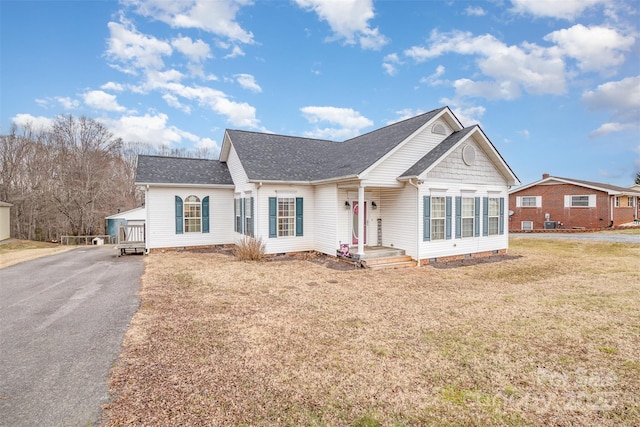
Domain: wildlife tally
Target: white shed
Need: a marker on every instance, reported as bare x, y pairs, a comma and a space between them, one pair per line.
5, 220
135, 216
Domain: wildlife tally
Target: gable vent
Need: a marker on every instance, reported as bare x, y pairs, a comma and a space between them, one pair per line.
439, 128
469, 155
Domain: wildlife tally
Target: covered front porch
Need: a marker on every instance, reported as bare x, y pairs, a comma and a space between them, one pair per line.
378, 221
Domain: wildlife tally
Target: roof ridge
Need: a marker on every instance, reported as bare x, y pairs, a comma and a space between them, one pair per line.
175, 157
283, 136
396, 123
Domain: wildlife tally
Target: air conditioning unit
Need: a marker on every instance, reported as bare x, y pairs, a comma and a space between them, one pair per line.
549, 225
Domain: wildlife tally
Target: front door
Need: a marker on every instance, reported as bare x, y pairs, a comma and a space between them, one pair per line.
355, 233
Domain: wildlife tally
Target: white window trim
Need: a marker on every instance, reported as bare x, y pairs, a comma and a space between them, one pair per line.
569, 197
522, 227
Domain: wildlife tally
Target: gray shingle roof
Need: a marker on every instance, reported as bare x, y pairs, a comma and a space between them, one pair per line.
437, 152
178, 170
611, 188
286, 158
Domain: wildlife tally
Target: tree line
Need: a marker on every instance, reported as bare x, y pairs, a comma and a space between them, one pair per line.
64, 180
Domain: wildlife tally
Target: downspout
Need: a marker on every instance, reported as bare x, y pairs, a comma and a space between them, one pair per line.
256, 228
417, 219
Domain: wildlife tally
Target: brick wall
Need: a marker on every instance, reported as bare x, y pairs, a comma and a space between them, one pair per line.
553, 204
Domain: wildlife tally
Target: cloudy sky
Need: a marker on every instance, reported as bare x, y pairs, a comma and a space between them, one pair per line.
555, 84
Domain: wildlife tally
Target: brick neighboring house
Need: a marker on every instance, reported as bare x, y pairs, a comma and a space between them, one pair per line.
555, 202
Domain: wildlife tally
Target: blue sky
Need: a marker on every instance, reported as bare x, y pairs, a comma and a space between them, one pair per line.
555, 84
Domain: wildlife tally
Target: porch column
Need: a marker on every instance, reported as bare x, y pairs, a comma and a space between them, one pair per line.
361, 231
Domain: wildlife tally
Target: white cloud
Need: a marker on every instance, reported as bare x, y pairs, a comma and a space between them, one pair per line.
174, 102
349, 20
36, 123
612, 127
102, 101
434, 79
128, 50
595, 48
475, 11
67, 103
348, 121
535, 69
151, 129
559, 9
525, 133
235, 52
622, 94
247, 81
405, 113
389, 63
237, 113
217, 17
467, 114
622, 98
112, 86
196, 51
507, 89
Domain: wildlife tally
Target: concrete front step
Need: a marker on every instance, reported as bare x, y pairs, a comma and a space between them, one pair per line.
389, 262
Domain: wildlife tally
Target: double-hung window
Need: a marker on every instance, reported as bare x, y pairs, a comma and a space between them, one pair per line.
579, 201
438, 211
192, 215
494, 215
468, 216
528, 201
285, 216
238, 212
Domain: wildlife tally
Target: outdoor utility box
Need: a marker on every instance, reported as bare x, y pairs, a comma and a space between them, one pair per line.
549, 225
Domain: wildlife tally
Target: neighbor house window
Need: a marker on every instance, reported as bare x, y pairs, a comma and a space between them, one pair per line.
579, 201
528, 201
468, 216
527, 225
617, 202
438, 211
631, 200
192, 215
285, 216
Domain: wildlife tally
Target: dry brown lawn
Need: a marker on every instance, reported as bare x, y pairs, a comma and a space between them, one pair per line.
549, 338
18, 251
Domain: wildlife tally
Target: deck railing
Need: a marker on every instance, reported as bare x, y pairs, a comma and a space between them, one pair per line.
131, 234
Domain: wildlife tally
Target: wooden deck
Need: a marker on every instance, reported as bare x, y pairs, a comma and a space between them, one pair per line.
131, 238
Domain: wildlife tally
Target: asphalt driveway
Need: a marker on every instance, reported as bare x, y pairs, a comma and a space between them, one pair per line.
62, 320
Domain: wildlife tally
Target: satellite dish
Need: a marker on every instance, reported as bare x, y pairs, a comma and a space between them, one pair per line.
510, 212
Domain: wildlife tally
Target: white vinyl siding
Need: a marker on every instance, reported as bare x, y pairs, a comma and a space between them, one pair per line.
161, 220
327, 214
400, 160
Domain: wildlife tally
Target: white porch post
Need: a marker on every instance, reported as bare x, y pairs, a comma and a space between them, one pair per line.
361, 231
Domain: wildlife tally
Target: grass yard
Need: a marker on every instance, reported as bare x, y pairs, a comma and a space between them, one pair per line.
17, 251
549, 338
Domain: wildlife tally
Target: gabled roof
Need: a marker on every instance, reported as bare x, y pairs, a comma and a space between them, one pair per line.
131, 212
437, 152
178, 170
612, 190
271, 157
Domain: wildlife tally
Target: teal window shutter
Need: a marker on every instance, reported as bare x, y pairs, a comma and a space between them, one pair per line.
179, 216
426, 218
299, 212
476, 223
458, 217
252, 217
235, 216
273, 217
242, 216
447, 220
501, 225
205, 215
485, 216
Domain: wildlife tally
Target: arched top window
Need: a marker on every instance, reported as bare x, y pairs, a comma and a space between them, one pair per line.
192, 215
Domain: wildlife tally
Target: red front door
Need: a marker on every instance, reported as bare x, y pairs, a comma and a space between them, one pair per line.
355, 233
